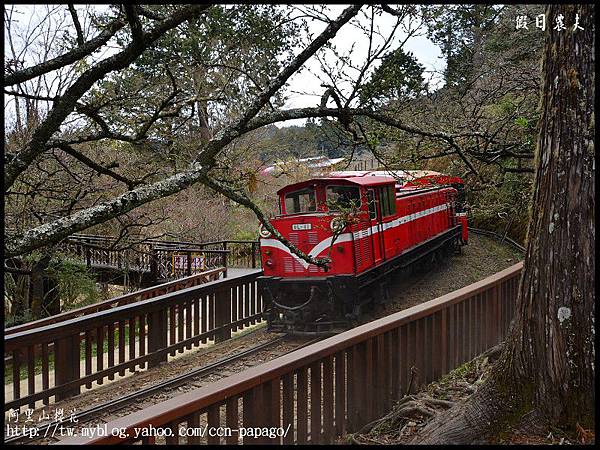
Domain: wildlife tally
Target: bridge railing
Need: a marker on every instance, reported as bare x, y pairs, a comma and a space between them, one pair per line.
125, 338
241, 253
163, 259
157, 259
169, 263
341, 383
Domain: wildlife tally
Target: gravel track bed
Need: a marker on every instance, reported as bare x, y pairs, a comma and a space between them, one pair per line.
483, 257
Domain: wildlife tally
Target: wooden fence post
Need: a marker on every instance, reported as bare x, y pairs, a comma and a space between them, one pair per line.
66, 353
223, 314
153, 265
157, 335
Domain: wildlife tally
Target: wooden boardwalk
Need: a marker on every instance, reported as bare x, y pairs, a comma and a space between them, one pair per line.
151, 261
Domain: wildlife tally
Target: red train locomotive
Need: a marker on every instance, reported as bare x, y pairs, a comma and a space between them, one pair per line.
367, 224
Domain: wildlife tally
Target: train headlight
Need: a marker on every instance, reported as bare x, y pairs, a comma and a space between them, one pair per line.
269, 263
337, 224
263, 231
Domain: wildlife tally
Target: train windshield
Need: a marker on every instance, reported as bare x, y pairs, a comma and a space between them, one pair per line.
300, 201
342, 197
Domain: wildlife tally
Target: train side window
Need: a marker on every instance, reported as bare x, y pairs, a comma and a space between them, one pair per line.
388, 200
392, 199
300, 201
342, 197
371, 204
383, 202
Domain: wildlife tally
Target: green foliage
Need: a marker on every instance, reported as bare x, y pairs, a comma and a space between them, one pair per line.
76, 285
506, 105
399, 76
459, 30
219, 62
522, 122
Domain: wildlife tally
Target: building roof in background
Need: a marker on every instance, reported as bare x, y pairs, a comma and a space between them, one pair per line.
312, 162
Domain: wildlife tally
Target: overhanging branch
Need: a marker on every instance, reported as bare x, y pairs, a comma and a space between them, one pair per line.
68, 101
74, 55
245, 201
95, 166
53, 232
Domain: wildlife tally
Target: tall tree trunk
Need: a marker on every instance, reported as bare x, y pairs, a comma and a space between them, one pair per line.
555, 341
547, 366
37, 286
203, 120
205, 130
51, 304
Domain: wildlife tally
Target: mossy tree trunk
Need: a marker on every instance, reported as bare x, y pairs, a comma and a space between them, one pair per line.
546, 372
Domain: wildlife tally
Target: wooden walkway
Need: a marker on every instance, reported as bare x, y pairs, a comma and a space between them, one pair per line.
151, 261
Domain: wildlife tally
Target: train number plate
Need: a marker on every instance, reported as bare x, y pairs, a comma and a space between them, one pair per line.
301, 226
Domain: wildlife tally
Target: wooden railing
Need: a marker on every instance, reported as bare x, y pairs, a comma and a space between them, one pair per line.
160, 258
143, 332
125, 299
341, 383
154, 259
241, 253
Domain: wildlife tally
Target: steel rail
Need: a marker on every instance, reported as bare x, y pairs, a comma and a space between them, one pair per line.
498, 236
371, 390
123, 402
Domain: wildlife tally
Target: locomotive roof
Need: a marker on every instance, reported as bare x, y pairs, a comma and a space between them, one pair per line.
404, 177
358, 180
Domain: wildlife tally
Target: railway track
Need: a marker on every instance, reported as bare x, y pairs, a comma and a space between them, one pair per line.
110, 407
498, 236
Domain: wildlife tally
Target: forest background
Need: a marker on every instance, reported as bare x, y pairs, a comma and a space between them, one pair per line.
144, 118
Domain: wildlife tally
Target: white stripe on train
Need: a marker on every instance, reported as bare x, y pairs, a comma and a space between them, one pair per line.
345, 237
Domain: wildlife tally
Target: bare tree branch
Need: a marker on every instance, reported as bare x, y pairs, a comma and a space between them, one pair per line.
97, 167
68, 101
74, 55
77, 24
30, 96
63, 227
